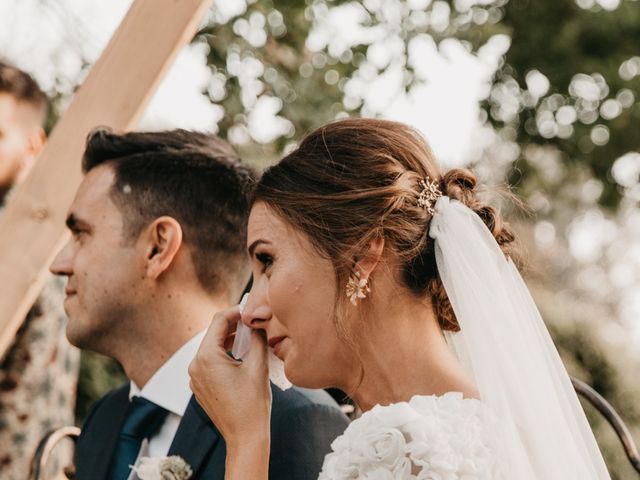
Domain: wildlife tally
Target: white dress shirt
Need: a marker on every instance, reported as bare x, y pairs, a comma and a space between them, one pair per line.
169, 388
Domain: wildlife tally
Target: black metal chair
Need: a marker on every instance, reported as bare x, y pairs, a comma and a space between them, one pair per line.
611, 416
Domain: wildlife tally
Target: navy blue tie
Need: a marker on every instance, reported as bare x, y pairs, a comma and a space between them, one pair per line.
144, 418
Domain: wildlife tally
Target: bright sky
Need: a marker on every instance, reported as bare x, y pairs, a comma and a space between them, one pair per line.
89, 24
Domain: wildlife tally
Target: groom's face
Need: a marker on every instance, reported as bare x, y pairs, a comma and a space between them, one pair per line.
102, 267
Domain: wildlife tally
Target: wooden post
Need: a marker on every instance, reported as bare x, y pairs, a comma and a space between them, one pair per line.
115, 94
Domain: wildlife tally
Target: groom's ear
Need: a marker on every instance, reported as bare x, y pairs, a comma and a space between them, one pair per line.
369, 260
163, 238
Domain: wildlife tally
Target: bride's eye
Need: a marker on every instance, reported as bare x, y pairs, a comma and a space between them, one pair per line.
265, 259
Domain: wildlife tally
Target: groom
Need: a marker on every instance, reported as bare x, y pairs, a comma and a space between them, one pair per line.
157, 246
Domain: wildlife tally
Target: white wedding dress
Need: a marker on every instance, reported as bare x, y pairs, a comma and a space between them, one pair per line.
428, 438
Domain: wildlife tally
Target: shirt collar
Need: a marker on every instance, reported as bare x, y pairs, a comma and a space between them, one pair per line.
169, 386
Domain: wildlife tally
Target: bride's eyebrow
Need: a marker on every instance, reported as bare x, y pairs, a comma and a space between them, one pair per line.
253, 246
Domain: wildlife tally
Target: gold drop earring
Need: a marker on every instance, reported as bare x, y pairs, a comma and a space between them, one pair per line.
357, 288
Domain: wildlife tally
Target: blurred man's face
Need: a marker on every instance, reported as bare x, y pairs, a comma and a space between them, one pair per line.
17, 148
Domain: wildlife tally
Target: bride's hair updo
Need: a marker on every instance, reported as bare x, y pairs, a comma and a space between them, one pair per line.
355, 180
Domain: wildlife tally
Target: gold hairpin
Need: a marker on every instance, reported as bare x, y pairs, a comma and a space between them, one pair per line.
429, 195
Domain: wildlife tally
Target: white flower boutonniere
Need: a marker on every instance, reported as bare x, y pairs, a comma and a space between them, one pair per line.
163, 468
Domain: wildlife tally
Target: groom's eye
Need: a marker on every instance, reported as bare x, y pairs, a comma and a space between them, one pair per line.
265, 259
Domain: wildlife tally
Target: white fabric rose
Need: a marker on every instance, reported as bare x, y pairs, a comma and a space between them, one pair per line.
368, 453
427, 438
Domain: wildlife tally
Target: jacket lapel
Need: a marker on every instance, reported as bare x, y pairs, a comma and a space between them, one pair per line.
98, 459
195, 438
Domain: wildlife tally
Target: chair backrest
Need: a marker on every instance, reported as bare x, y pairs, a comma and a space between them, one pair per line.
611, 416
44, 449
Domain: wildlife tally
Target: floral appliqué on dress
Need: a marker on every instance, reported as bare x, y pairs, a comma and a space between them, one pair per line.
428, 438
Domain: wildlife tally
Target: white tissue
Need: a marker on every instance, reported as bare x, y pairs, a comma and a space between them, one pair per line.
276, 372
242, 340
242, 344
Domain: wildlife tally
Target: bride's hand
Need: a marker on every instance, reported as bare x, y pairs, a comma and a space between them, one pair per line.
236, 395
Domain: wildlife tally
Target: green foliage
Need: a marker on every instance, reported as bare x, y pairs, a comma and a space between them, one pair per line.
608, 370
98, 375
569, 44
288, 71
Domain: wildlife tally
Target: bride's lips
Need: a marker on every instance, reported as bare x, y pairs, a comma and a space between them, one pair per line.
275, 343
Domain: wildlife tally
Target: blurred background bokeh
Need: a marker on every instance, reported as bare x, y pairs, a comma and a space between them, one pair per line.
538, 95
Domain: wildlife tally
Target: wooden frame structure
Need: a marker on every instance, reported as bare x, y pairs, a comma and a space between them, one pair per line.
114, 94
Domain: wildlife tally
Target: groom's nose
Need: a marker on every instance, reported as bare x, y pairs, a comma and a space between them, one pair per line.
61, 265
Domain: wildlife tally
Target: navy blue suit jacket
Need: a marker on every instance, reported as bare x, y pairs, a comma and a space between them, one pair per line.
303, 425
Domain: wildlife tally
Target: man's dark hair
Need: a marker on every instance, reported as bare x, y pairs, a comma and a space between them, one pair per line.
195, 178
24, 89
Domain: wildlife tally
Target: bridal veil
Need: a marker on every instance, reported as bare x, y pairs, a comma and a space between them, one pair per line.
507, 349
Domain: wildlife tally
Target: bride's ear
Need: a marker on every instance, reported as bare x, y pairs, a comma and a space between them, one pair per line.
371, 257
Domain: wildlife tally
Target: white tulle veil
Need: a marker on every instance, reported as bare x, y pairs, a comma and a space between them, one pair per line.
507, 349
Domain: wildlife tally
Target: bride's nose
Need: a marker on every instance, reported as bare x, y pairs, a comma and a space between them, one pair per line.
257, 312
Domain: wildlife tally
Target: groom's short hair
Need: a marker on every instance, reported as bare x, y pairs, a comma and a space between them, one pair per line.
193, 177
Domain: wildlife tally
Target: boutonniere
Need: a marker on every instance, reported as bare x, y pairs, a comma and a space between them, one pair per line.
163, 468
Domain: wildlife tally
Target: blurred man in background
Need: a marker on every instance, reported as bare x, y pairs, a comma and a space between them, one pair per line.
38, 373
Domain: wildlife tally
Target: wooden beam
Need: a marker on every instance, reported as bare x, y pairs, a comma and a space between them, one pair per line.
115, 93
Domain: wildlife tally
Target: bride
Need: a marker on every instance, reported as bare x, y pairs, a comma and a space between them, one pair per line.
377, 273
